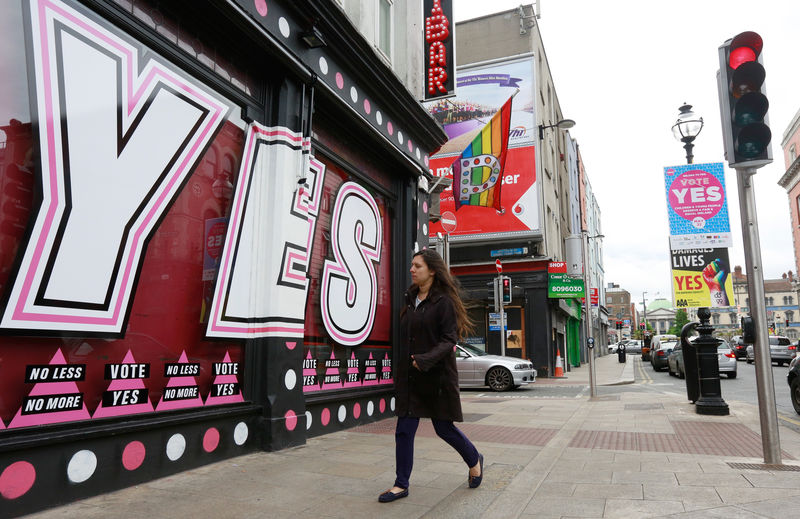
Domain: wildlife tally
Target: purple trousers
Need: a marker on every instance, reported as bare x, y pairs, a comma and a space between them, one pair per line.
404, 445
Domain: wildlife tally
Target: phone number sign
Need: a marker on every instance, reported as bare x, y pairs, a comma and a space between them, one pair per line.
563, 286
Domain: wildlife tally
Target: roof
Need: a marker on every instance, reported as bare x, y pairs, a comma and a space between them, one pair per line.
659, 303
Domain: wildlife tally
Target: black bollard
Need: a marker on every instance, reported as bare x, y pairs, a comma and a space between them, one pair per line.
710, 401
689, 353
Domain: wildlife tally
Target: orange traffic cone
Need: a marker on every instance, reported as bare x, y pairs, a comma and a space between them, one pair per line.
559, 365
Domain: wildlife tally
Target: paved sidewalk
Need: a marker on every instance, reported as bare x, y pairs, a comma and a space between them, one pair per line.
626, 454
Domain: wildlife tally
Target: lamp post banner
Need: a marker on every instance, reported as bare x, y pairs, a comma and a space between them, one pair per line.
697, 206
701, 277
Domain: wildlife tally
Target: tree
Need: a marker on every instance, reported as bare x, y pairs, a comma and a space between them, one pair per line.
680, 320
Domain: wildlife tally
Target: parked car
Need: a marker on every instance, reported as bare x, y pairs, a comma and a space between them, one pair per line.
675, 362
612, 348
726, 360
781, 350
793, 378
738, 346
476, 368
659, 354
633, 346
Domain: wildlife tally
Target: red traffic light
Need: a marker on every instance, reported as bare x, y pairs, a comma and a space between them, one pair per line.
745, 47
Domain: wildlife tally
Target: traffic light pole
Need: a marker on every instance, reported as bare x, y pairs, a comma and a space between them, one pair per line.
770, 440
502, 317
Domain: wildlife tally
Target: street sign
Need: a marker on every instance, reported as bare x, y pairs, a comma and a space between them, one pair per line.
499, 266
448, 221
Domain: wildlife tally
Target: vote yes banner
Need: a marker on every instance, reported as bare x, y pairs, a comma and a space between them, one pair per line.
697, 206
701, 277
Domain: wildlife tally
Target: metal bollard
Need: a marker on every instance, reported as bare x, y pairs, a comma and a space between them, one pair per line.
710, 401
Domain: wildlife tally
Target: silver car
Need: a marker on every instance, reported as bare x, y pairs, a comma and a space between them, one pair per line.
476, 368
726, 359
781, 350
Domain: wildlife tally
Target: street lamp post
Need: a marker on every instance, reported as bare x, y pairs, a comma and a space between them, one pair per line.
686, 129
644, 309
587, 309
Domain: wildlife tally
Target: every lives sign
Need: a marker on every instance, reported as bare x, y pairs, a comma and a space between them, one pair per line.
700, 278
697, 206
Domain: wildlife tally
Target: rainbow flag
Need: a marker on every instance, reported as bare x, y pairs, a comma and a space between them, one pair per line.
478, 172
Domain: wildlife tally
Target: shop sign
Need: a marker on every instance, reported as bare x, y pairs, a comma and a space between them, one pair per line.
439, 49
499, 253
701, 277
564, 286
697, 206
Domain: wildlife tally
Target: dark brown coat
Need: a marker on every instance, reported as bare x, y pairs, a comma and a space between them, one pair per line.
429, 332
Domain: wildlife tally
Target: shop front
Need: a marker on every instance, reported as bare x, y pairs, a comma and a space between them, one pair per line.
205, 228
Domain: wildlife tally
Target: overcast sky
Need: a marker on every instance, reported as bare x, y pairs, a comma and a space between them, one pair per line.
621, 69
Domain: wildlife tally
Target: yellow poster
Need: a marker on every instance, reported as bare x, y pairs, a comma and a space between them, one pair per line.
701, 277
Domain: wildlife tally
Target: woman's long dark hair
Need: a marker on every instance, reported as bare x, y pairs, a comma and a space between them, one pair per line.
446, 284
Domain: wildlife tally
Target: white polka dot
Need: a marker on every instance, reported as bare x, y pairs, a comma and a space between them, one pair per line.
370, 408
425, 228
342, 413
323, 65
391, 404
379, 117
308, 420
283, 25
353, 94
290, 379
400, 137
240, 433
418, 157
176, 446
81, 466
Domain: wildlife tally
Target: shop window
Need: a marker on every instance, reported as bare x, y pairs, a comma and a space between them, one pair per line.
159, 359
336, 359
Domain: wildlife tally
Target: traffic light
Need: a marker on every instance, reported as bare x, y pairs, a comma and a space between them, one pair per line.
641, 326
506, 289
748, 330
743, 102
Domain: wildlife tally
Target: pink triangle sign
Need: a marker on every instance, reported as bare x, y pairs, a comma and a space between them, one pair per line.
371, 373
310, 382
125, 395
332, 378
352, 378
386, 370
178, 388
51, 402
226, 388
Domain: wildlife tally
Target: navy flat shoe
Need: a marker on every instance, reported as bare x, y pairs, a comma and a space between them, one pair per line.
389, 496
475, 481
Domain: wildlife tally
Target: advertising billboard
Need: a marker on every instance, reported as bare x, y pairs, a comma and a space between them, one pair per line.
697, 206
700, 277
482, 91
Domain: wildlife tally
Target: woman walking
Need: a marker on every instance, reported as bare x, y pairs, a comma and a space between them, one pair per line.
426, 378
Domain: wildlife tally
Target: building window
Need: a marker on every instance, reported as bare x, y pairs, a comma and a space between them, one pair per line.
785, 299
789, 315
791, 302
385, 15
715, 318
792, 153
733, 318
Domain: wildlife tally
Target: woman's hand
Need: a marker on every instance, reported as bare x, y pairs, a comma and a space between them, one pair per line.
414, 363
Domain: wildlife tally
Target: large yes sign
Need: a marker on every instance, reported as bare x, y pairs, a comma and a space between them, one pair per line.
118, 135
349, 282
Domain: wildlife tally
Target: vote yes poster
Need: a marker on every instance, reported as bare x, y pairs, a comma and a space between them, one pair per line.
701, 277
697, 206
